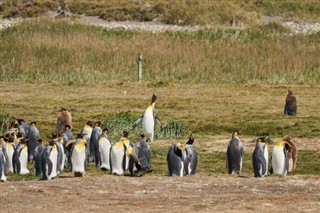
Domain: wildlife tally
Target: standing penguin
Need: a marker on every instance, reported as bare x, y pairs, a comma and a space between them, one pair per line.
119, 155
67, 136
175, 159
3, 161
290, 107
94, 142
23, 128
103, 160
260, 157
148, 120
190, 164
235, 154
33, 137
11, 144
140, 158
280, 159
64, 118
79, 156
37, 161
87, 132
49, 161
292, 154
20, 158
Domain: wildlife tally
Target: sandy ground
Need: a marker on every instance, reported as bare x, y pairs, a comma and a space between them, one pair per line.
163, 194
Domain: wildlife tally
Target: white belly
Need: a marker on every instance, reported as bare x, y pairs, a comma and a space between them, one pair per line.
266, 156
53, 158
78, 159
104, 149
63, 156
116, 156
10, 151
23, 158
148, 123
278, 162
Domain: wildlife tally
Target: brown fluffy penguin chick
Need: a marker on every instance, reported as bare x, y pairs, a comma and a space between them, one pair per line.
290, 107
64, 118
292, 154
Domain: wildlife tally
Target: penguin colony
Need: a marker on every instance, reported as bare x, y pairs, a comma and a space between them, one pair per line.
22, 144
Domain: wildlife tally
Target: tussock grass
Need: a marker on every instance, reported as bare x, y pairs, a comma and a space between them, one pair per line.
46, 51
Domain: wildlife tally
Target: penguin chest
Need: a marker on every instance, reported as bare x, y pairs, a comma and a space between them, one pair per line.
53, 157
3, 178
23, 158
78, 157
278, 161
104, 149
148, 122
10, 151
117, 157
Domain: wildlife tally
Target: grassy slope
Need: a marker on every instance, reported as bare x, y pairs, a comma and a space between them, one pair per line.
47, 51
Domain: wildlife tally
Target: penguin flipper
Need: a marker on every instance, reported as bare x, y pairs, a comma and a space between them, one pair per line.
158, 121
137, 122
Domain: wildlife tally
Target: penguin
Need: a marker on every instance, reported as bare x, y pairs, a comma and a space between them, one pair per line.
292, 154
103, 161
3, 161
280, 159
175, 159
140, 158
11, 144
20, 158
260, 157
119, 155
148, 120
191, 161
67, 136
33, 137
87, 132
61, 153
64, 118
235, 154
23, 128
49, 161
94, 143
37, 161
79, 156
290, 107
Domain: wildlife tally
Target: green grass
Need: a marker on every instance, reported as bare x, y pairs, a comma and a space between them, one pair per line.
55, 51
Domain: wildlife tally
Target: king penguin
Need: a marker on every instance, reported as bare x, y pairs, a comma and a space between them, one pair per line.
292, 154
33, 137
175, 159
94, 143
148, 120
49, 161
11, 143
37, 161
87, 132
260, 157
290, 107
79, 156
3, 161
103, 161
140, 158
64, 118
235, 154
279, 159
119, 155
20, 158
190, 164
67, 136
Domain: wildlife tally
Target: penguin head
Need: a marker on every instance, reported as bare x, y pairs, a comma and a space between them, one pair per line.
180, 150
54, 136
236, 133
191, 140
154, 98
89, 123
263, 139
80, 135
125, 134
52, 142
20, 121
39, 141
105, 130
287, 138
67, 127
142, 136
98, 123
33, 123
2, 138
290, 92
62, 109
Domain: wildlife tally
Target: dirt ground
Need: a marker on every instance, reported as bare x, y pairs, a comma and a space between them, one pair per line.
163, 194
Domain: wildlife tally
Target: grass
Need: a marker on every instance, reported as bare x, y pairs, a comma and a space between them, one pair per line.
55, 51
